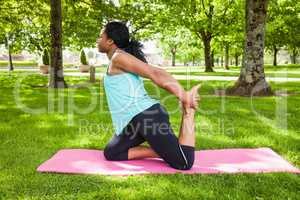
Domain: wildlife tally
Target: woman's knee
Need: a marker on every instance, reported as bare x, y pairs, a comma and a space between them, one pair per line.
109, 153
182, 166
189, 157
189, 152
113, 154
189, 165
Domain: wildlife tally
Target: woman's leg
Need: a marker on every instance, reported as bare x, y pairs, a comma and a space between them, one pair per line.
187, 128
186, 134
153, 124
118, 146
139, 152
186, 137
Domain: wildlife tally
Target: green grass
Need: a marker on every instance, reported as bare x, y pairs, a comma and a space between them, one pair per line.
19, 63
4, 64
27, 140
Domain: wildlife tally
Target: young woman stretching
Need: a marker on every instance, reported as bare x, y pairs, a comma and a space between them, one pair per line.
136, 116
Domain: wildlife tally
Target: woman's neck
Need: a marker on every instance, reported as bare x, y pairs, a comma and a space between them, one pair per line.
111, 53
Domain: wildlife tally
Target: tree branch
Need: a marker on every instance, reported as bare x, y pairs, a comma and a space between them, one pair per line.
202, 1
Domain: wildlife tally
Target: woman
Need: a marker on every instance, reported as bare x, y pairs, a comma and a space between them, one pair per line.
136, 116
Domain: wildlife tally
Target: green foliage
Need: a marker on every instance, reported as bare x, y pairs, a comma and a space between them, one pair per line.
292, 21
276, 28
83, 59
283, 26
22, 23
207, 20
25, 25
188, 47
45, 57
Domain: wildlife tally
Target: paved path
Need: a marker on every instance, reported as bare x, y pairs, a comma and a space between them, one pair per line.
178, 77
176, 70
229, 78
198, 77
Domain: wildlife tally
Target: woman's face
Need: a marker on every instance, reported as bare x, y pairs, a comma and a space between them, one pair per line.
103, 42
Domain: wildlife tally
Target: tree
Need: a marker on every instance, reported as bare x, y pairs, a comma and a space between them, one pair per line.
276, 29
83, 58
142, 17
204, 18
170, 40
56, 79
45, 57
292, 20
252, 77
190, 51
12, 42
11, 28
179, 43
82, 21
229, 39
36, 30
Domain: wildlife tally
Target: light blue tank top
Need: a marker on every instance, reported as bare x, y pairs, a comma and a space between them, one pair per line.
126, 97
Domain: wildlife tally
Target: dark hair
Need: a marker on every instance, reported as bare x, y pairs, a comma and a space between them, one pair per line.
119, 33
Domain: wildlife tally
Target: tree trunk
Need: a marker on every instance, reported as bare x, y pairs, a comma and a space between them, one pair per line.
207, 53
275, 55
222, 61
11, 66
236, 56
173, 59
294, 56
212, 58
251, 81
206, 36
8, 47
173, 52
226, 56
56, 79
193, 60
92, 74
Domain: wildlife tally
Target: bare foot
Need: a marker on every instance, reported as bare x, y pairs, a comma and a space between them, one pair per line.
194, 97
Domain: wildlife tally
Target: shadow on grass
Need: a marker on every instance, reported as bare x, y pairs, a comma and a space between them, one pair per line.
31, 139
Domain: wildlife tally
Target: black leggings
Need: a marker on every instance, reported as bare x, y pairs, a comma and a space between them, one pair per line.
151, 125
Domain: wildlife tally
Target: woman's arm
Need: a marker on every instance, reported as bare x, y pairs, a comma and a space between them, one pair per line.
159, 76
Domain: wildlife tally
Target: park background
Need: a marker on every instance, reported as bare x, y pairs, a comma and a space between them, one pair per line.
52, 97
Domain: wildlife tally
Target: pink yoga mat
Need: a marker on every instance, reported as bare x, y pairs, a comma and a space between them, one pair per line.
87, 161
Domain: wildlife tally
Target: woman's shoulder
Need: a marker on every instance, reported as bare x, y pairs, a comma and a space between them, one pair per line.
120, 54
119, 58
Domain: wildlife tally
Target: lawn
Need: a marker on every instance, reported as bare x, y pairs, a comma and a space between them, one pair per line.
4, 64
30, 63
28, 139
